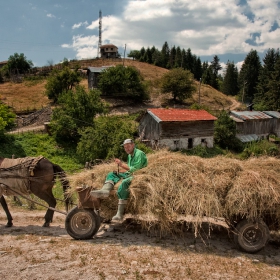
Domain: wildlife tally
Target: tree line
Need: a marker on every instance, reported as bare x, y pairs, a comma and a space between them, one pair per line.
257, 81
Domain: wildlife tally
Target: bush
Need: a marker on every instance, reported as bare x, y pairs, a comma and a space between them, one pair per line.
225, 133
103, 141
260, 148
7, 118
204, 152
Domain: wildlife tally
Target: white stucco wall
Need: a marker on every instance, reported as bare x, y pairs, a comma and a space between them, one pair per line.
183, 143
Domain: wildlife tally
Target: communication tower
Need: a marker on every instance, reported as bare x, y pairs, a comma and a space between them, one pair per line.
100, 33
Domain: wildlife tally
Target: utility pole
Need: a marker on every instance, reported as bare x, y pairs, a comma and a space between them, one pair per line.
199, 91
124, 53
244, 83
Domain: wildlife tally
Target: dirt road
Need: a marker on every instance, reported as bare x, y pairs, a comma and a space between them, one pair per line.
29, 251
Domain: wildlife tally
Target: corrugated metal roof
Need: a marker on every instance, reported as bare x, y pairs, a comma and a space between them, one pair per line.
250, 115
236, 119
173, 115
273, 114
248, 138
97, 69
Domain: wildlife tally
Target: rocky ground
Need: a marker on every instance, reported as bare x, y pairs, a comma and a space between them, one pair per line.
124, 251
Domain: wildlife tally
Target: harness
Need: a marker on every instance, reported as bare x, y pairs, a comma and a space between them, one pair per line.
17, 174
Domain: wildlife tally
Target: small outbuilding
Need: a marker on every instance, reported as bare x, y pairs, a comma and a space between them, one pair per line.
109, 51
275, 122
253, 125
92, 74
177, 128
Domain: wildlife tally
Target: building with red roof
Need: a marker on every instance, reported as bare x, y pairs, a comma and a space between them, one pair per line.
177, 128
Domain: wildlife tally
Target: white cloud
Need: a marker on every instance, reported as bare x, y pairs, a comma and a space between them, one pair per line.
50, 16
78, 25
206, 27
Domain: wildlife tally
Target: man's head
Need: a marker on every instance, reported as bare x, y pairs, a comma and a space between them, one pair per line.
128, 145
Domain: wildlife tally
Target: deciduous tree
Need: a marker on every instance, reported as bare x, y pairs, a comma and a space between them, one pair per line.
123, 81
77, 109
17, 64
179, 83
61, 81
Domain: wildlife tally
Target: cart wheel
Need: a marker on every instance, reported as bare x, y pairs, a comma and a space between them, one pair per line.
250, 236
82, 223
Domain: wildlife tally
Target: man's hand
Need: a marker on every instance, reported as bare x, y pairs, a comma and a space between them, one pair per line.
122, 165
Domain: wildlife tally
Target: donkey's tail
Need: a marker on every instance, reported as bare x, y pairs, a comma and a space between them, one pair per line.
59, 172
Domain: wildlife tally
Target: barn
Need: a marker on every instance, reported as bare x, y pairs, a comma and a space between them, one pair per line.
177, 129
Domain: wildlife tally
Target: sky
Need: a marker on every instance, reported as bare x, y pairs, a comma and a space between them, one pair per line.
48, 31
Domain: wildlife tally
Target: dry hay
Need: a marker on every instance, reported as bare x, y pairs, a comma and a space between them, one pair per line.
175, 186
256, 190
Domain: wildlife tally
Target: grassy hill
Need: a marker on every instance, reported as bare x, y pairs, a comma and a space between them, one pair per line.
29, 96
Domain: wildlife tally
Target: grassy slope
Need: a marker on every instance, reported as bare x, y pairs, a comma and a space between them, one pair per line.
30, 96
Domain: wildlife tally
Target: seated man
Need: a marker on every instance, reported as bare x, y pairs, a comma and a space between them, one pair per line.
136, 160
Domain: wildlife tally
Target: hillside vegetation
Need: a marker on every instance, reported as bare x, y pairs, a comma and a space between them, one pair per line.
30, 95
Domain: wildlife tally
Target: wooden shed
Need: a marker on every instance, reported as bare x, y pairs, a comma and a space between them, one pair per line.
177, 128
252, 125
275, 122
92, 74
109, 51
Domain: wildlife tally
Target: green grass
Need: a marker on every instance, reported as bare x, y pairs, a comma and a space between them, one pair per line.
33, 145
260, 148
205, 152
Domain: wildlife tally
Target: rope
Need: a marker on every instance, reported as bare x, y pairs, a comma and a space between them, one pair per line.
27, 198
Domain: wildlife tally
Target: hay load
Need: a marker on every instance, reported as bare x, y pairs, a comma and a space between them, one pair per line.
174, 186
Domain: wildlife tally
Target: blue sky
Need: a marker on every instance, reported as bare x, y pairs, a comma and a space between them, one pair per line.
47, 31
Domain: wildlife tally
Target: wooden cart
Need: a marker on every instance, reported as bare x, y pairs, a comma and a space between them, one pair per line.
83, 222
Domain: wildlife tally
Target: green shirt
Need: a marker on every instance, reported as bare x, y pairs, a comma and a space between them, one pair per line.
137, 160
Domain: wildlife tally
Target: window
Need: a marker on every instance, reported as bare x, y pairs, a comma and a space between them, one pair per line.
190, 143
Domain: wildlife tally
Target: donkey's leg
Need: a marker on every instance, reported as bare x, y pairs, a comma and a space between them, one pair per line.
47, 196
6, 209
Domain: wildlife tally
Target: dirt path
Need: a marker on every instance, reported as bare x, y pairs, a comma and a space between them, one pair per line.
235, 104
27, 128
29, 251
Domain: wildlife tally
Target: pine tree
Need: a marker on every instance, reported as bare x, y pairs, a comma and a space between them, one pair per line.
171, 60
165, 52
248, 77
261, 98
197, 68
178, 58
230, 85
189, 60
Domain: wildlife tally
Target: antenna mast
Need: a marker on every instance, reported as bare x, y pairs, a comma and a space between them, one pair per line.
100, 33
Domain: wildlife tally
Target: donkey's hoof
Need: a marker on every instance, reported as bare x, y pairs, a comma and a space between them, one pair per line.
46, 224
9, 224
